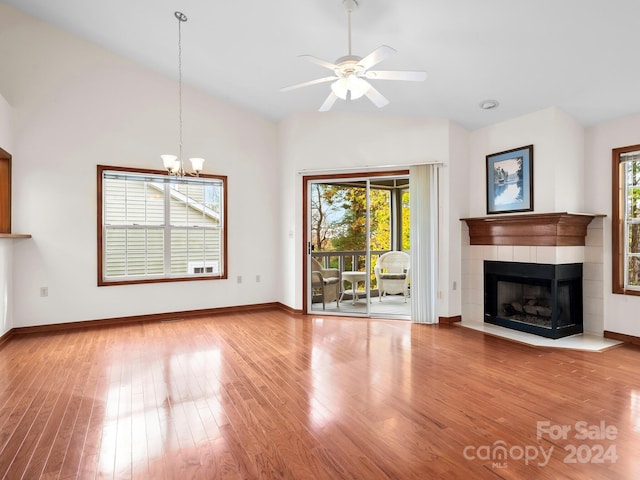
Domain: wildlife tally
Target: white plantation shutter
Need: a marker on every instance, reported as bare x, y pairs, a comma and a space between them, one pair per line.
138, 242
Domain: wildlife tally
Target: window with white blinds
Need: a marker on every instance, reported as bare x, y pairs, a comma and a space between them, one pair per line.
159, 228
626, 221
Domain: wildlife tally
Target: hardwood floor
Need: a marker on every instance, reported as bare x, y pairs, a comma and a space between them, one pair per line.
272, 395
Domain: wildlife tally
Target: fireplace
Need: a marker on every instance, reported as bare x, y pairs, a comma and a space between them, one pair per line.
536, 298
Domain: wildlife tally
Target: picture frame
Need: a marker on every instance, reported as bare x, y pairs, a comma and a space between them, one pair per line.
510, 181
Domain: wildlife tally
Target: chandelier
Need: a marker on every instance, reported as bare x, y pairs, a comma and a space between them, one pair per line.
172, 163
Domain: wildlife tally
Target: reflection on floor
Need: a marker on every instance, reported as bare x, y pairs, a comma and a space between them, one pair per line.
583, 341
391, 306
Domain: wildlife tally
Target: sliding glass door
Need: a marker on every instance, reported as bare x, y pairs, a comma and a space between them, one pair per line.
351, 223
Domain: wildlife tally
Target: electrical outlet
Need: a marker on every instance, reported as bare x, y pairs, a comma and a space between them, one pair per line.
44, 291
257, 278
455, 285
239, 278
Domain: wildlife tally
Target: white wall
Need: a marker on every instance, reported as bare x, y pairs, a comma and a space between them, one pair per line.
76, 106
313, 142
6, 245
621, 311
455, 208
558, 156
5, 125
568, 164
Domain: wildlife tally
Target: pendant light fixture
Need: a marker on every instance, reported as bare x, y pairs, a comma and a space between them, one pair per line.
172, 163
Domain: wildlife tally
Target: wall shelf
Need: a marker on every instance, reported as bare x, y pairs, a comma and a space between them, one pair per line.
15, 235
533, 229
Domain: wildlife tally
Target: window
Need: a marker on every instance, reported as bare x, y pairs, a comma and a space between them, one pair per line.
156, 228
626, 220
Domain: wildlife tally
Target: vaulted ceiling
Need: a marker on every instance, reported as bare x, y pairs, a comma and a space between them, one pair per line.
579, 55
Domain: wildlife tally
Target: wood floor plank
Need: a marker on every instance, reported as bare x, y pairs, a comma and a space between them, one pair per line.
78, 438
264, 395
36, 415
61, 426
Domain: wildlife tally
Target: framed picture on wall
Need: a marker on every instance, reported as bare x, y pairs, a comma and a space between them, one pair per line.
510, 181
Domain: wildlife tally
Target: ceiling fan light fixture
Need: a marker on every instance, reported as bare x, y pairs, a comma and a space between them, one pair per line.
357, 86
351, 87
340, 87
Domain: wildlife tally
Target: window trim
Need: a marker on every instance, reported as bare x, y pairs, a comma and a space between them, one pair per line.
618, 255
100, 229
5, 192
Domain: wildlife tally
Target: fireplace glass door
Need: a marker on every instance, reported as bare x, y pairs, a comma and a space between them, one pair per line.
536, 298
531, 303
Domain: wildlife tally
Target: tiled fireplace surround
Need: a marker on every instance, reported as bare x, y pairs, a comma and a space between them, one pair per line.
591, 255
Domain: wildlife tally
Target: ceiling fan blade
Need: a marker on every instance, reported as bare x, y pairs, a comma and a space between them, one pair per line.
319, 61
376, 56
328, 103
309, 83
376, 97
396, 75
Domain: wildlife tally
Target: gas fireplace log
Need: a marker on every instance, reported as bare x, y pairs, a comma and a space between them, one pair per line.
516, 307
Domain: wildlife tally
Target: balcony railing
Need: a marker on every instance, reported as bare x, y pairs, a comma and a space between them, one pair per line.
353, 260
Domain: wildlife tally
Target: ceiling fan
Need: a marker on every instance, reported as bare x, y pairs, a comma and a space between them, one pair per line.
350, 72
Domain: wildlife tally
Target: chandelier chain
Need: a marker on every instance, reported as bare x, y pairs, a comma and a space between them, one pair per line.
181, 19
175, 164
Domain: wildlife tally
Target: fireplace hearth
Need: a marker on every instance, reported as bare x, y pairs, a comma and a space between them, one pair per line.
542, 299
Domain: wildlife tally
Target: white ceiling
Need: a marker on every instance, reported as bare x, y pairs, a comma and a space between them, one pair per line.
579, 55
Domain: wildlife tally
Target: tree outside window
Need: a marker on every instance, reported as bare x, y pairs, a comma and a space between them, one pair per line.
338, 221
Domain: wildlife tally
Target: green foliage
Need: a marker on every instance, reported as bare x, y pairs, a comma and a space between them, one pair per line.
338, 219
353, 232
406, 221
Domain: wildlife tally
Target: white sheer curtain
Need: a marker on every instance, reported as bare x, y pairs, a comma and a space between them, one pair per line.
423, 205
